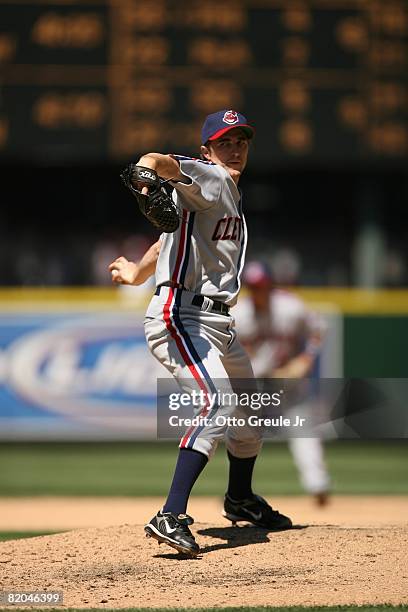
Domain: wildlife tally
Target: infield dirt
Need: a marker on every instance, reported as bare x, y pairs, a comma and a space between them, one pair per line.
353, 559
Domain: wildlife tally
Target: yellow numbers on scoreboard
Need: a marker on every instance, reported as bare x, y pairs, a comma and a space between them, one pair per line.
79, 30
83, 110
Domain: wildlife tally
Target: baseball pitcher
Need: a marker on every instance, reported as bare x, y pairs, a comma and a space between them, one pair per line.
188, 324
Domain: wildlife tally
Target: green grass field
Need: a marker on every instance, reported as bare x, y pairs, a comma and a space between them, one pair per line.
142, 469
22, 535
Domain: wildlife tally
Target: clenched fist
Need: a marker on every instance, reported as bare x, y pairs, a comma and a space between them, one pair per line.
123, 272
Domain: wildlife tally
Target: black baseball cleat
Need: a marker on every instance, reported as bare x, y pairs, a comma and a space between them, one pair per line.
172, 529
257, 511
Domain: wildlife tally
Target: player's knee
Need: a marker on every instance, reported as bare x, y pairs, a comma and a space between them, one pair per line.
245, 447
205, 446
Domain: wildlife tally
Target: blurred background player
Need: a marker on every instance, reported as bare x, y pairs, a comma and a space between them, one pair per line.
283, 338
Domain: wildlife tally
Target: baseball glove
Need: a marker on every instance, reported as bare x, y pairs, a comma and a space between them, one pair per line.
157, 205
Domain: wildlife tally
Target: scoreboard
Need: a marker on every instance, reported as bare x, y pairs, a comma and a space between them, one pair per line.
100, 80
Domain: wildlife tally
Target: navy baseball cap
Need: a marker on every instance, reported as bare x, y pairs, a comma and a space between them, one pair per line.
221, 122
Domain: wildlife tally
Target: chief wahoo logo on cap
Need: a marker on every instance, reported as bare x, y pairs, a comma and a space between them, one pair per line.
230, 117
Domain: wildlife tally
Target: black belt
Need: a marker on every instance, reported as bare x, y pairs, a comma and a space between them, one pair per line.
198, 300
217, 306
169, 284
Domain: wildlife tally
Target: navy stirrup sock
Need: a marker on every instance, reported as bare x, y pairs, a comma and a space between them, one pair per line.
240, 477
190, 464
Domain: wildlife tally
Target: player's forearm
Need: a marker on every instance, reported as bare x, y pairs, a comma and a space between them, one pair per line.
146, 267
165, 165
142, 273
126, 272
130, 272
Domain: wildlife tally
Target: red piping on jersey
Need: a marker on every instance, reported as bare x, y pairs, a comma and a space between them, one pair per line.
188, 361
173, 330
175, 334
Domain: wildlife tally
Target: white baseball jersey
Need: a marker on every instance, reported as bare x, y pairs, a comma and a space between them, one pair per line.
279, 334
206, 254
197, 345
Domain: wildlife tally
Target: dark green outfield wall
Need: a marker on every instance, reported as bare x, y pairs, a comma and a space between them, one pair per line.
376, 346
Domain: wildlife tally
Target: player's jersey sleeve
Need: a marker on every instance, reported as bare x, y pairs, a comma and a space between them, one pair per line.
201, 189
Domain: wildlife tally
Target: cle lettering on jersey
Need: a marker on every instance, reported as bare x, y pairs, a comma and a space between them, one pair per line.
228, 228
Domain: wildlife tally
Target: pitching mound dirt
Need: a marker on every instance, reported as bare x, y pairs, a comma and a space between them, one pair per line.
116, 567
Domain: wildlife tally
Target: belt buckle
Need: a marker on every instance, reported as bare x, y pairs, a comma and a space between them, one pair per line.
207, 304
